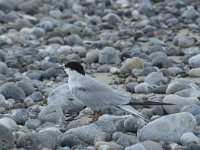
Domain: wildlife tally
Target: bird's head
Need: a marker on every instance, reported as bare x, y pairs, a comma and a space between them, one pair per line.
74, 66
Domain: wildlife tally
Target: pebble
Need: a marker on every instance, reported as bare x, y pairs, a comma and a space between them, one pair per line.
50, 137
194, 72
168, 128
101, 145
102, 136
156, 78
9, 123
20, 116
149, 47
144, 88
51, 113
133, 63
62, 96
108, 55
33, 123
24, 141
36, 96
71, 140
193, 109
151, 145
179, 102
189, 138
194, 61
9, 90
138, 146
6, 138
27, 86
162, 62
189, 93
92, 56
177, 85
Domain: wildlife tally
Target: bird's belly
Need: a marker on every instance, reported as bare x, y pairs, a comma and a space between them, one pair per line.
94, 103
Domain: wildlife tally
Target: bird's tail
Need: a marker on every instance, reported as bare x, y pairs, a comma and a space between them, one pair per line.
133, 112
148, 103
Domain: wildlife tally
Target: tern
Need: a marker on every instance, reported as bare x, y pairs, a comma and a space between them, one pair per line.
96, 94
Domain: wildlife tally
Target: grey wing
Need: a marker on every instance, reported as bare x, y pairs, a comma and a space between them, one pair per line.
93, 89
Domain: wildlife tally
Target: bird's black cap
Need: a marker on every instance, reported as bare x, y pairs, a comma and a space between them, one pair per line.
74, 65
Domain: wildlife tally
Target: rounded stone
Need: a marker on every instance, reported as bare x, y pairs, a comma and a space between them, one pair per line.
162, 62
29, 141
50, 137
179, 102
194, 61
6, 138
108, 145
156, 78
51, 113
33, 123
108, 55
168, 128
92, 56
189, 138
71, 140
9, 90
20, 116
144, 88
62, 96
138, 146
133, 63
27, 86
193, 109
194, 72
176, 86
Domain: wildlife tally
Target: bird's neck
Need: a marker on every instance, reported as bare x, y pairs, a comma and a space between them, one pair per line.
74, 74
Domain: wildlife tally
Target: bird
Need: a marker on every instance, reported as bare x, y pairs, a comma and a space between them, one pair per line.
96, 94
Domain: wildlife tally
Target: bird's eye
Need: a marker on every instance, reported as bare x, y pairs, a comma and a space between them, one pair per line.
66, 66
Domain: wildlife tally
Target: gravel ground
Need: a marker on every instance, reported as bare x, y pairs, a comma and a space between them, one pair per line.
149, 48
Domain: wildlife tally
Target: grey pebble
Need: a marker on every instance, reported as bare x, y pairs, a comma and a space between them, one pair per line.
62, 96
133, 63
168, 128
149, 145
102, 136
162, 62
108, 145
20, 116
73, 39
192, 92
9, 90
6, 138
144, 88
36, 96
29, 141
92, 56
194, 72
137, 146
179, 102
194, 61
72, 140
189, 138
51, 113
193, 109
33, 123
131, 86
177, 85
50, 137
27, 86
108, 55
156, 78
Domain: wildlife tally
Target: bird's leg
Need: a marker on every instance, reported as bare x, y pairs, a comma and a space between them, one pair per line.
96, 115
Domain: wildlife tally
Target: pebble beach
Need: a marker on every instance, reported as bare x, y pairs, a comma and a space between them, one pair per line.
149, 48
